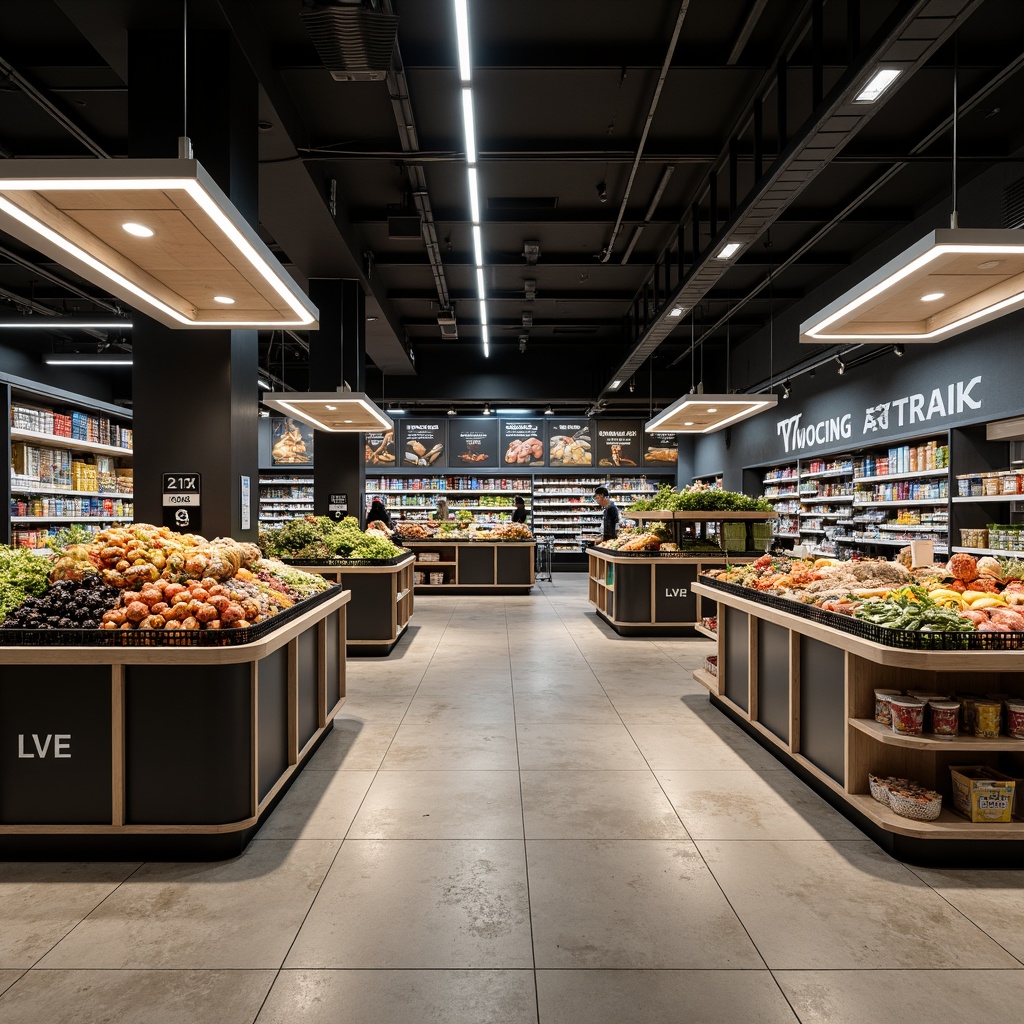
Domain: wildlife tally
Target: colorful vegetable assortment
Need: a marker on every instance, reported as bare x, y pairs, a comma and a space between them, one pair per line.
318, 538
697, 498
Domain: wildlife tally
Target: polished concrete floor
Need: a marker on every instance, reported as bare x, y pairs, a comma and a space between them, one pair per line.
520, 817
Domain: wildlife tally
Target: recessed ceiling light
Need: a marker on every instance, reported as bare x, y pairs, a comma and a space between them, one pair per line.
932, 296
712, 408
688, 423
877, 84
330, 408
348, 421
138, 230
728, 250
224, 300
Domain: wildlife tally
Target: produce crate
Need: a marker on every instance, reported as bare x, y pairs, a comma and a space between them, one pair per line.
734, 536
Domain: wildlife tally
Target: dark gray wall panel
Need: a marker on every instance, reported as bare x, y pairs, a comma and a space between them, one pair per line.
822, 706
737, 658
773, 678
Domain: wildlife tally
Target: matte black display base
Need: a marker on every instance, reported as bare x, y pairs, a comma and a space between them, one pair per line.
933, 853
146, 847
483, 590
651, 630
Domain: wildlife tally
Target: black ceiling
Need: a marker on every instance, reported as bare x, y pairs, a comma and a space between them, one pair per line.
752, 136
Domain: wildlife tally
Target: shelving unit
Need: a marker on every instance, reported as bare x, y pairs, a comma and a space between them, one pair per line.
503, 567
826, 493
70, 463
806, 690
415, 498
284, 498
781, 487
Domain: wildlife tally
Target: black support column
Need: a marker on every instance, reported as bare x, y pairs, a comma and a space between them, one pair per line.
195, 392
337, 355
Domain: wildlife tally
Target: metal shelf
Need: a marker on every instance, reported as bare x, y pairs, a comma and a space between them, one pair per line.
52, 441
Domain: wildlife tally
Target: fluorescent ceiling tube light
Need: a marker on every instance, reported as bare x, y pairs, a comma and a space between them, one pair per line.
87, 359
480, 283
483, 313
336, 412
704, 414
486, 340
75, 210
462, 35
513, 412
263, 384
478, 245
887, 306
467, 123
877, 84
64, 323
728, 251
474, 197
676, 311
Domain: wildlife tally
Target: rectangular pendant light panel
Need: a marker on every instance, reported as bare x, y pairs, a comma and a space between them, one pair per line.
331, 411
949, 282
704, 414
194, 261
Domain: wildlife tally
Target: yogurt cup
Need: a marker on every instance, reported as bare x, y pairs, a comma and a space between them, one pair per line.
907, 715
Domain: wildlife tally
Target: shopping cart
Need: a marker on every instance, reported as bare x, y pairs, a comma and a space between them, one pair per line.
545, 553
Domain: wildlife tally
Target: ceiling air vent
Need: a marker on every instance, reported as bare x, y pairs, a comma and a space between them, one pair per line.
1013, 204
354, 40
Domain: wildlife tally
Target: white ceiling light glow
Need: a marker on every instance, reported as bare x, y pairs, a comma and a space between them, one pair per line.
478, 245
462, 35
728, 251
76, 212
934, 290
877, 84
704, 414
676, 311
138, 230
468, 126
336, 412
84, 359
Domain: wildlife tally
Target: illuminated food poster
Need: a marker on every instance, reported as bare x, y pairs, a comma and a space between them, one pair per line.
569, 442
422, 442
380, 447
661, 449
292, 442
619, 443
474, 442
522, 442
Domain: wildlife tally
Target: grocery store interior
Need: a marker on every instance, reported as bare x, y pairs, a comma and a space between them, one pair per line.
516, 511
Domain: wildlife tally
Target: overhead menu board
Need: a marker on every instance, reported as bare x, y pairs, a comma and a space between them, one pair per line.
661, 449
618, 442
422, 442
380, 448
474, 442
522, 442
570, 442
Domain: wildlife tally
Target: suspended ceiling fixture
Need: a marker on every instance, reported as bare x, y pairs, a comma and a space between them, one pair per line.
335, 412
158, 234
948, 282
64, 323
86, 359
704, 414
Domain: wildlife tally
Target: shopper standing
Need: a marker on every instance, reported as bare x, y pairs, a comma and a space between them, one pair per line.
379, 513
611, 515
519, 515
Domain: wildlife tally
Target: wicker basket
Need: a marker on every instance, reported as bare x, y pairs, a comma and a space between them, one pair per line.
909, 807
436, 578
878, 789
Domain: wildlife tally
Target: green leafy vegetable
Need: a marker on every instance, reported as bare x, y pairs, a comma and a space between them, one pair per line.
21, 573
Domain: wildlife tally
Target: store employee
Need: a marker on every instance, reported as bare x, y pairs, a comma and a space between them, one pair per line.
611, 515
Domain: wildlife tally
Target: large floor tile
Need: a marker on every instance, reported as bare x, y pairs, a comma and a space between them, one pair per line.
398, 997
631, 904
428, 708
661, 997
597, 805
241, 913
577, 745
844, 905
751, 805
136, 997
689, 744
587, 707
420, 905
319, 805
8, 978
993, 900
454, 743
441, 805
353, 745
41, 903
903, 997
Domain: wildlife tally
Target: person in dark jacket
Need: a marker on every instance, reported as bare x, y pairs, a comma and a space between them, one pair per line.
519, 515
610, 514
379, 513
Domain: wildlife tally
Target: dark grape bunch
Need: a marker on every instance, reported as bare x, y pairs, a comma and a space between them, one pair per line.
67, 604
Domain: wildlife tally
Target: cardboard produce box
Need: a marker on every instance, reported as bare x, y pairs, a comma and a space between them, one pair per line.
981, 793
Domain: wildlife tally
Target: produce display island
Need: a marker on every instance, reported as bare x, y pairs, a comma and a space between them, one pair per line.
382, 600
652, 593
162, 750
451, 566
805, 690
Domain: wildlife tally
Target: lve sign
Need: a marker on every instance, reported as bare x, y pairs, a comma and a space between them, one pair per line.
51, 745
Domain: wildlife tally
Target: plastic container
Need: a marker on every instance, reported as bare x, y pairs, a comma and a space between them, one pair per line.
883, 713
907, 715
925, 805
987, 718
1015, 719
945, 718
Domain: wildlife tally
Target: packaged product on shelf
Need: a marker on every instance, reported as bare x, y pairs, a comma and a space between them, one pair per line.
981, 794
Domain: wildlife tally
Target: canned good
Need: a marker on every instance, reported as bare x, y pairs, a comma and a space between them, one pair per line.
987, 715
945, 717
1015, 719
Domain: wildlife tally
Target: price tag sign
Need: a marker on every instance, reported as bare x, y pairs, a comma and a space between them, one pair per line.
182, 493
337, 505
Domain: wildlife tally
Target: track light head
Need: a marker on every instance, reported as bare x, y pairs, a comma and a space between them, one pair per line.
787, 389
898, 351
842, 366
602, 192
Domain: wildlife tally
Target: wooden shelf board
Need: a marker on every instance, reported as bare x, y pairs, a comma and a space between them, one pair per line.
706, 679
710, 634
883, 734
948, 825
